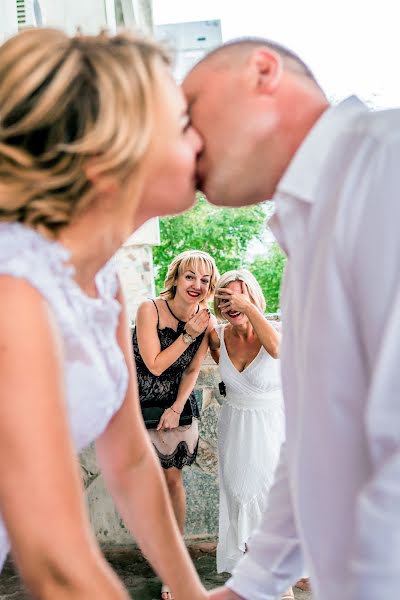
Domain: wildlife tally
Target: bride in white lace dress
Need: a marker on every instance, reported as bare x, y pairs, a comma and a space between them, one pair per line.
251, 423
93, 136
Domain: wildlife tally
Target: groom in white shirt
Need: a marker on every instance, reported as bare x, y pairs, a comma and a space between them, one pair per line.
334, 173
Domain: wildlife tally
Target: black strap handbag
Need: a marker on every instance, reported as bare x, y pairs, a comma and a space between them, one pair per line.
152, 415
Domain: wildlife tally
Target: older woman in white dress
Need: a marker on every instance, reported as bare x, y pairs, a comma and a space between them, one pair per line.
251, 423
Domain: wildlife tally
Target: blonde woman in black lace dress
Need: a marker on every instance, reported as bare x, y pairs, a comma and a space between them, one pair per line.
170, 341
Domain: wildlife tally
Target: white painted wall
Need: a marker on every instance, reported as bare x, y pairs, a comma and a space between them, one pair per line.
89, 15
149, 233
8, 19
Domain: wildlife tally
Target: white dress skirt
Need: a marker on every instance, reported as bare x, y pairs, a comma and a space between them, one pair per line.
250, 434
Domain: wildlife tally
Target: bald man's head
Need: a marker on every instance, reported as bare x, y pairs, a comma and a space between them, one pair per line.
236, 51
252, 101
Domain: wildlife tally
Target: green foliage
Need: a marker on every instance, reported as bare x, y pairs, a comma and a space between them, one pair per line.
223, 233
268, 272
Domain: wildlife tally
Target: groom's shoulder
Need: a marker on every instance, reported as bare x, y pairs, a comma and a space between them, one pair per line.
381, 125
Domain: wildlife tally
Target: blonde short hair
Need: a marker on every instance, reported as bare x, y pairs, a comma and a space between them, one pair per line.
64, 100
190, 259
252, 284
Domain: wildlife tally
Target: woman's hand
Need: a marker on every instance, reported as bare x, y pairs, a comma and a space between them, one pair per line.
199, 323
234, 301
169, 420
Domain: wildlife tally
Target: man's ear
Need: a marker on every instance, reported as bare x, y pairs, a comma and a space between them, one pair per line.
267, 66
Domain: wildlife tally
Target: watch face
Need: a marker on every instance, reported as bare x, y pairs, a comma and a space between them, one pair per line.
187, 338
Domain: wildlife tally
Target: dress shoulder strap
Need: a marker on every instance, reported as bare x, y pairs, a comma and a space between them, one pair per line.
158, 314
220, 330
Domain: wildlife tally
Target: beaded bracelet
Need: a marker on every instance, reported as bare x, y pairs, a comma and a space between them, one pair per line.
175, 411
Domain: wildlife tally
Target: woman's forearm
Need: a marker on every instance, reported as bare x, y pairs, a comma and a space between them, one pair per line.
134, 477
164, 359
214, 344
186, 386
75, 578
190, 375
266, 333
142, 500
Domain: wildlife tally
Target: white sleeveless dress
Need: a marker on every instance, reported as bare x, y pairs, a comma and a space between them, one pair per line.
95, 371
250, 434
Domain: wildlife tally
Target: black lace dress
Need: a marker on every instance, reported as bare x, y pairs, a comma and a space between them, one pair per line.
175, 447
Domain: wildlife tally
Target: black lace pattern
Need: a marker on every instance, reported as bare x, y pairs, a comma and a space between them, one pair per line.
181, 457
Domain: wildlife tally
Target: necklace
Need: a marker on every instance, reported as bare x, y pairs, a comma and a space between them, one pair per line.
174, 315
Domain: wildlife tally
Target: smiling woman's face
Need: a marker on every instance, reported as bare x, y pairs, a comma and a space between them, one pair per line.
193, 284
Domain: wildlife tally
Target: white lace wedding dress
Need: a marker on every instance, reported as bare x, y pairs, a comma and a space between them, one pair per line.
250, 434
95, 371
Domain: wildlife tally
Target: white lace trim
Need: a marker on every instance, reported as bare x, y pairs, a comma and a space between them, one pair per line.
26, 254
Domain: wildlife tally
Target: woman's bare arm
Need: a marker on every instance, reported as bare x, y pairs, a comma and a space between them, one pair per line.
266, 333
170, 418
134, 477
215, 345
41, 497
155, 359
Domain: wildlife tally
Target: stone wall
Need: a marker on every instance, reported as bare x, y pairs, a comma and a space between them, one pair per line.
135, 266
200, 480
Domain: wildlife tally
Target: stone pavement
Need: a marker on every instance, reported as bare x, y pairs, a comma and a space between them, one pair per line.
136, 573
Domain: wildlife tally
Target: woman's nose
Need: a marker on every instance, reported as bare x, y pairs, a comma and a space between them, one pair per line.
197, 141
197, 283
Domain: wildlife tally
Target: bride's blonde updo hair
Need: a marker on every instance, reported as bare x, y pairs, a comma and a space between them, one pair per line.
64, 100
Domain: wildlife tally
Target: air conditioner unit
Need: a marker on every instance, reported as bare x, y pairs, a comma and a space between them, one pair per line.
190, 40
29, 13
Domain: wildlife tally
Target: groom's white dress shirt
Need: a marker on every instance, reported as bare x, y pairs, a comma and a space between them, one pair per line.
335, 506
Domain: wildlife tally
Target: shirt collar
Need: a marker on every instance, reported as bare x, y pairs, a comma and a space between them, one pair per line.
301, 176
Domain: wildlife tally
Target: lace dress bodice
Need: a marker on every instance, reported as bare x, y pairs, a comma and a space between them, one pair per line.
95, 372
260, 377
162, 390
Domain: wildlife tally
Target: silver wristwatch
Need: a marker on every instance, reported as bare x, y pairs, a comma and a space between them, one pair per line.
187, 338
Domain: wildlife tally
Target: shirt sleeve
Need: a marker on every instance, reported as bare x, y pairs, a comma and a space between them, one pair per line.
375, 275
274, 558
